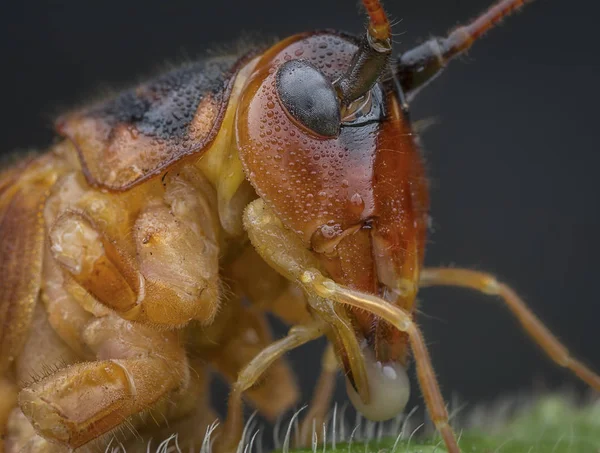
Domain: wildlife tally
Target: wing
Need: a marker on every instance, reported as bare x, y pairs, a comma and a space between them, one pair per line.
142, 131
23, 191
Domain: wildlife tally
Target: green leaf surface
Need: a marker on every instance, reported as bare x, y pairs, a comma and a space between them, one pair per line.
553, 425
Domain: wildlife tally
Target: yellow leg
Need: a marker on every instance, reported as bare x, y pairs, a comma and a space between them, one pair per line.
487, 284
233, 429
402, 321
237, 336
285, 253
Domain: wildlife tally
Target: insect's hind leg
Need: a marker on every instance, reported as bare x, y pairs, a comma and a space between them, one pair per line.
488, 284
232, 431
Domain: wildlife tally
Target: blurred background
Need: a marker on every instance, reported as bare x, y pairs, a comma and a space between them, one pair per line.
513, 156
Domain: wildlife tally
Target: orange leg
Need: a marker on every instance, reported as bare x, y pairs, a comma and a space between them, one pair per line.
232, 431
431, 389
321, 398
402, 321
487, 284
295, 262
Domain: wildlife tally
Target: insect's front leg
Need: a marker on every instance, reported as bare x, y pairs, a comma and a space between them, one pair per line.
283, 250
136, 368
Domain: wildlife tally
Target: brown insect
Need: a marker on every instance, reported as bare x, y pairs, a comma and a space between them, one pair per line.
147, 246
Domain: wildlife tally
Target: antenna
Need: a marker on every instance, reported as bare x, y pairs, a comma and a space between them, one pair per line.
371, 59
379, 25
418, 66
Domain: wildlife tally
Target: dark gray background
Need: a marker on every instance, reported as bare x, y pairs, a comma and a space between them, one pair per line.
513, 158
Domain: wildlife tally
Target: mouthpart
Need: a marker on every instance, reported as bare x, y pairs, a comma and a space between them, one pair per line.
389, 389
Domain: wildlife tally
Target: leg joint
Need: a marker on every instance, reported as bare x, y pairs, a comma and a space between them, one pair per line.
490, 285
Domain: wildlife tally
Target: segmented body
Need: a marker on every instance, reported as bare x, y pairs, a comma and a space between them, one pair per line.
126, 271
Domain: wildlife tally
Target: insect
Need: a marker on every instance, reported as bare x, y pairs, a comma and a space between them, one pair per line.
151, 242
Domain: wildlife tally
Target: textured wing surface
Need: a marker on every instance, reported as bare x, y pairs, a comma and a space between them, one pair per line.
140, 132
21, 247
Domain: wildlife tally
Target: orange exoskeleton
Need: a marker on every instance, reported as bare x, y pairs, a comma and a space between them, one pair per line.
146, 248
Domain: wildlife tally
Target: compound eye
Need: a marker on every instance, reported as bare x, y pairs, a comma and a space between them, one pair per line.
309, 97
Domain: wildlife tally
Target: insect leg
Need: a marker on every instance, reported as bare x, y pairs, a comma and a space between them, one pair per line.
267, 290
151, 255
235, 338
401, 320
282, 250
322, 395
487, 284
189, 415
252, 372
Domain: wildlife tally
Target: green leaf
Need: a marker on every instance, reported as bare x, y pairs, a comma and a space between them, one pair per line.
553, 425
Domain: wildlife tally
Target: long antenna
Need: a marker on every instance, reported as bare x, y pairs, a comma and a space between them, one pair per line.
422, 64
371, 59
462, 38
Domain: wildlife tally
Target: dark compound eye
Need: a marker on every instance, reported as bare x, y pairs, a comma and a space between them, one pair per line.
309, 97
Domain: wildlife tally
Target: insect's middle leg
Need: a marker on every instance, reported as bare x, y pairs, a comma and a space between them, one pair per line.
252, 372
321, 398
487, 284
